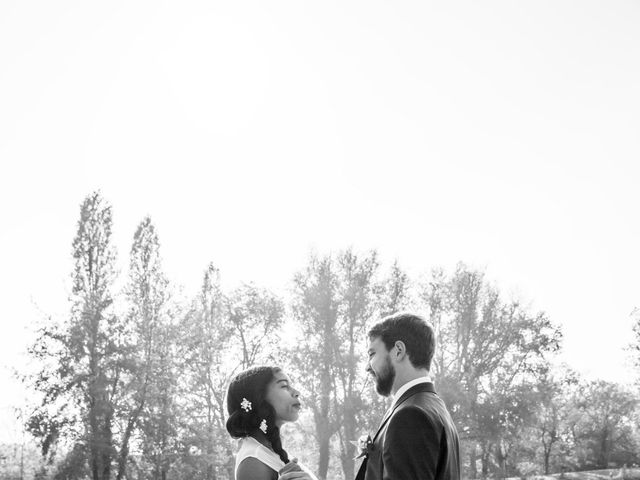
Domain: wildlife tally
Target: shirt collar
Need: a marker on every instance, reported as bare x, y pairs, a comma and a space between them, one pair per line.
407, 386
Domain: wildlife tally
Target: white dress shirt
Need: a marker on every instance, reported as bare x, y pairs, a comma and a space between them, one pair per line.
407, 386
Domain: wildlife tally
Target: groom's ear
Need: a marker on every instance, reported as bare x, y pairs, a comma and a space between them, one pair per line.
401, 350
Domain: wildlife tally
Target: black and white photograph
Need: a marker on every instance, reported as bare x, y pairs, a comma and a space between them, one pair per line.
293, 240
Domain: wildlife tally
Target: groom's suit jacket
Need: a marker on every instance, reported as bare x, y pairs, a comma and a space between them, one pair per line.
416, 440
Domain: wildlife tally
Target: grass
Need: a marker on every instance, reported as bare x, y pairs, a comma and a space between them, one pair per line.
608, 474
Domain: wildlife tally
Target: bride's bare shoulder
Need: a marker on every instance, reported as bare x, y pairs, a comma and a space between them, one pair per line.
253, 469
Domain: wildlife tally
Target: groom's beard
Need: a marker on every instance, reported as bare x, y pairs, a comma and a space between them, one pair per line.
384, 379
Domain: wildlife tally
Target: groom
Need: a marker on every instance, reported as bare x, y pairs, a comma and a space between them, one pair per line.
417, 438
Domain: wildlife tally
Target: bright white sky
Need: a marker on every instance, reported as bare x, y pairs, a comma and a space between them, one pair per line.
502, 134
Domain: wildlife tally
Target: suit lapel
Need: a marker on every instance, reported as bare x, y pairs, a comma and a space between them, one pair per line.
420, 388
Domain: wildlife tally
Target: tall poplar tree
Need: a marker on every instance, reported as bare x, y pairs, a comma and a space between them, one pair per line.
148, 365
81, 359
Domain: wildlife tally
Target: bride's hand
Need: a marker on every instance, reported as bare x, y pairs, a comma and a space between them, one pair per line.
293, 471
298, 475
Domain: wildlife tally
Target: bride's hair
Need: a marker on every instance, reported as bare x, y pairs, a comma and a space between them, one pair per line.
251, 386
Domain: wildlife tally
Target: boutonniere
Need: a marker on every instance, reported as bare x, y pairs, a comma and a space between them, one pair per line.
364, 444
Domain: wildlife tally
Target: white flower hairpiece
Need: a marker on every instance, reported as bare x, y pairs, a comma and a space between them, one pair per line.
263, 426
245, 405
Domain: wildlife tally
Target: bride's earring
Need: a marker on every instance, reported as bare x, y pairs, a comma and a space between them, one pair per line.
263, 426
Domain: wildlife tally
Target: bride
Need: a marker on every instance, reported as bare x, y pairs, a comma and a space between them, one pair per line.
259, 401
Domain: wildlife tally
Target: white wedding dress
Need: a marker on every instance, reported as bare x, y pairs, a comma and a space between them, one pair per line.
250, 447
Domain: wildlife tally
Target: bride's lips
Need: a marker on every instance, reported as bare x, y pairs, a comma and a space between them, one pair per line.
297, 405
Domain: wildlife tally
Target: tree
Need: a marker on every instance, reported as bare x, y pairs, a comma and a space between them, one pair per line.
81, 359
552, 399
159, 422
315, 308
334, 298
357, 299
394, 292
604, 427
206, 333
634, 346
256, 316
146, 322
149, 404
487, 349
221, 335
20, 460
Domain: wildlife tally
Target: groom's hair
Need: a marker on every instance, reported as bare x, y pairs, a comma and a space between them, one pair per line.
413, 330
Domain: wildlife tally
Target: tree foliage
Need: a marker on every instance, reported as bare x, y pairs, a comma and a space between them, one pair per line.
132, 383
488, 349
82, 359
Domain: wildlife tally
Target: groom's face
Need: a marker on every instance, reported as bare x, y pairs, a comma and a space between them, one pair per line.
380, 366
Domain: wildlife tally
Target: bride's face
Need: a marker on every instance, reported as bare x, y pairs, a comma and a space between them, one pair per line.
284, 399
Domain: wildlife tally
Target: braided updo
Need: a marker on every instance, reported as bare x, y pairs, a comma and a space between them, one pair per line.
251, 385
